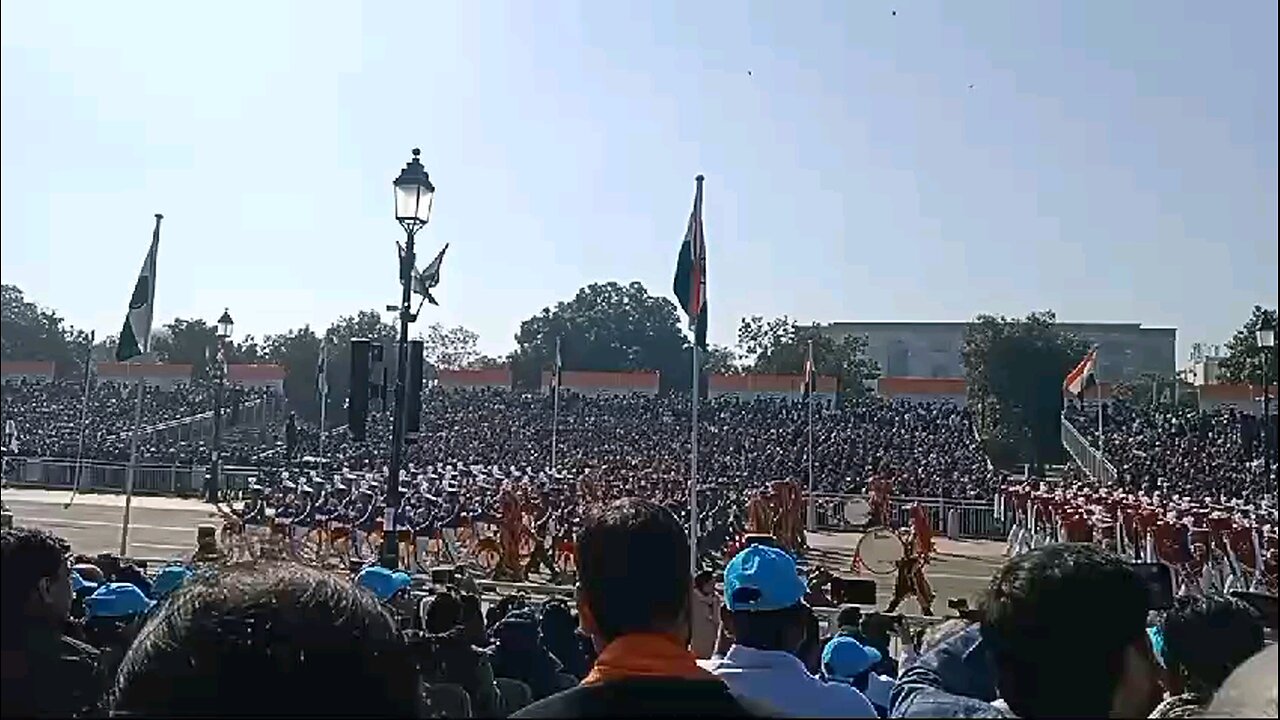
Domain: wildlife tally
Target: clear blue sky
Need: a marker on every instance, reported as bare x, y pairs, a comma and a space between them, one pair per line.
1112, 161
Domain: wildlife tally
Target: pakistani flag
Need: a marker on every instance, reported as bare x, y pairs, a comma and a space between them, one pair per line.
429, 277
322, 370
135, 336
690, 284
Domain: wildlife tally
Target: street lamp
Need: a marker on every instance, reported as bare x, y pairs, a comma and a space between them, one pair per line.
214, 483
413, 194
1266, 337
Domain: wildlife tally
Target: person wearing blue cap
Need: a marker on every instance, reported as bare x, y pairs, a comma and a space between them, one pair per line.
383, 583
846, 660
764, 597
169, 579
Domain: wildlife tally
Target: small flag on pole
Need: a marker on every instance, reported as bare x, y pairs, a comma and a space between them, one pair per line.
429, 277
810, 378
135, 336
690, 284
1084, 376
558, 371
322, 370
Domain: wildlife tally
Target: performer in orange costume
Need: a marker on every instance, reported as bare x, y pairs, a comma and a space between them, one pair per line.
878, 491
921, 532
759, 515
510, 523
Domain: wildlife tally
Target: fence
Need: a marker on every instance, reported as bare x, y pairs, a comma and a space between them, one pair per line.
180, 480
1093, 462
964, 518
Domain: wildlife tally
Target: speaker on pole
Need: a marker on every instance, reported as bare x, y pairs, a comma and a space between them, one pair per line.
416, 352
358, 392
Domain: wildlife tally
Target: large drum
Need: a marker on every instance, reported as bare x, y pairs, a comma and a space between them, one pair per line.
878, 552
857, 511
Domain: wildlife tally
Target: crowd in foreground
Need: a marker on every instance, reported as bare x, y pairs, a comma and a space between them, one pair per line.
85, 637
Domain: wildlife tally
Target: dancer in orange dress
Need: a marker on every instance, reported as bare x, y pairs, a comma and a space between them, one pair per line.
759, 515
878, 492
510, 523
921, 533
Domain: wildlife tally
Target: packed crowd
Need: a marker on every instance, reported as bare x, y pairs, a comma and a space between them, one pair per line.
1218, 454
44, 420
642, 637
930, 446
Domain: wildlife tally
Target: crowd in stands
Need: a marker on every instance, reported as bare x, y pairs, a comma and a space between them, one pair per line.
930, 446
44, 420
96, 636
1186, 451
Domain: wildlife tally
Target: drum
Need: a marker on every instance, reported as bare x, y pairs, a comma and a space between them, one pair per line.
878, 551
857, 511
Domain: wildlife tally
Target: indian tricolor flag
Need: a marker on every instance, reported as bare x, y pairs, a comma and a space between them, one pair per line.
135, 336
1084, 376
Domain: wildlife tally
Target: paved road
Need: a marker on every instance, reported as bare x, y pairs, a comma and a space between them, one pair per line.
165, 528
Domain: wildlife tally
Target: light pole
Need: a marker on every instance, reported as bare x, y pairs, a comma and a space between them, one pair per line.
413, 192
1266, 337
214, 486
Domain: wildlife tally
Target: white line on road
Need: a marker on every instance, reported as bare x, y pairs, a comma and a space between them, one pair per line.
70, 522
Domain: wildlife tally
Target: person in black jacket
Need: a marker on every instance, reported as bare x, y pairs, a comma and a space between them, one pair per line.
633, 597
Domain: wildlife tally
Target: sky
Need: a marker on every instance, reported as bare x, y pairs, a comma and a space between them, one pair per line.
864, 160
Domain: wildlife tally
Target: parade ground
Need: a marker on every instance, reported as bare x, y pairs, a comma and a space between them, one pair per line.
165, 528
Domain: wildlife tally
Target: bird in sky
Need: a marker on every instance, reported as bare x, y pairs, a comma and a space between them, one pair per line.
894, 13
748, 73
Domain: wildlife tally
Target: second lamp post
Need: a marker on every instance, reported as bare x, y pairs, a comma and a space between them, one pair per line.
214, 486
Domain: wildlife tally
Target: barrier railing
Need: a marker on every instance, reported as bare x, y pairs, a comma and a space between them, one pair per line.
1094, 463
976, 519
150, 479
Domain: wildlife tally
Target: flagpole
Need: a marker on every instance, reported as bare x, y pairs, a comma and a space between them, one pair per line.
133, 467
693, 467
1102, 455
84, 414
555, 405
813, 383
324, 393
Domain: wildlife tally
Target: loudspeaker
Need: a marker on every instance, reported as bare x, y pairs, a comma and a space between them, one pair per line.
416, 352
378, 374
358, 392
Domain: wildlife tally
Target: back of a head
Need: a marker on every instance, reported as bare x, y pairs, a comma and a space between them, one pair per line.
1250, 691
633, 568
1056, 651
1205, 638
268, 640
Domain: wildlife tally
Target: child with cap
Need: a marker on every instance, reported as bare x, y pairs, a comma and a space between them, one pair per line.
169, 579
846, 660
763, 594
383, 583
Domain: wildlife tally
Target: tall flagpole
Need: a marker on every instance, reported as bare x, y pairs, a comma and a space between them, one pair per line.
133, 466
812, 380
324, 393
1102, 454
84, 415
555, 404
693, 465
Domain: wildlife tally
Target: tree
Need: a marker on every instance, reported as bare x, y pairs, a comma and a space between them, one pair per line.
451, 348
1244, 362
721, 360
299, 352
1014, 370
186, 342
781, 346
31, 332
606, 327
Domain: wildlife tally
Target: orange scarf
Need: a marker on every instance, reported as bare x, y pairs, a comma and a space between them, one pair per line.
645, 655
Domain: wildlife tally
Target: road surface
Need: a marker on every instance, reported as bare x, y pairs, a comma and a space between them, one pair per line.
164, 528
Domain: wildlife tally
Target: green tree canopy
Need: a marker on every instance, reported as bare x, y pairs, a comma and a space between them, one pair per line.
1244, 361
1014, 369
31, 332
781, 346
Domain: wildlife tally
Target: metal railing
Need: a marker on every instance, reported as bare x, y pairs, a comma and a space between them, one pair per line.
977, 519
150, 479
1094, 463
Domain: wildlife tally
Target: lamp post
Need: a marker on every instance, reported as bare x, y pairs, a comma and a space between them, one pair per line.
413, 194
214, 486
1266, 337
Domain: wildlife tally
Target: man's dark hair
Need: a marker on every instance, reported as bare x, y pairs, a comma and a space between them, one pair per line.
849, 615
1057, 621
633, 568
275, 639
27, 556
782, 630
1206, 638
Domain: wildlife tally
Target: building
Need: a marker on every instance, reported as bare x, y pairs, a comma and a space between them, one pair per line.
258, 376
1202, 367
933, 349
32, 371
750, 386
164, 376
591, 383
488, 378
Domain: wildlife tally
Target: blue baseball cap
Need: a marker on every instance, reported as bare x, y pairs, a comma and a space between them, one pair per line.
170, 578
844, 658
382, 582
1157, 643
117, 600
78, 583
762, 578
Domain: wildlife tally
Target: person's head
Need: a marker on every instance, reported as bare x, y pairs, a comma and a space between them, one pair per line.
633, 572
1203, 639
849, 618
764, 596
1250, 691
1055, 651
268, 640
36, 587
441, 613
844, 659
705, 582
